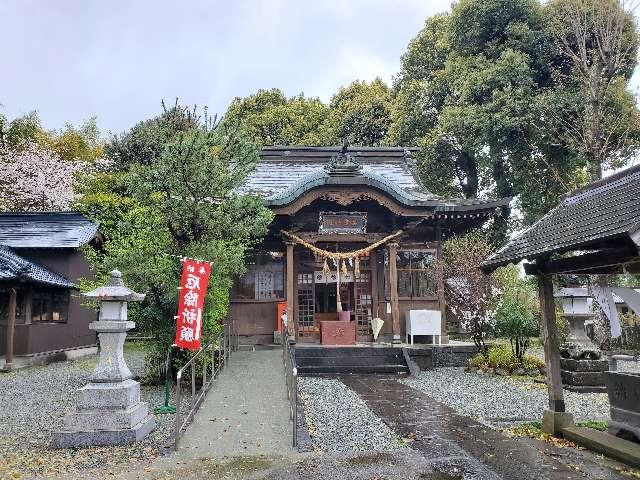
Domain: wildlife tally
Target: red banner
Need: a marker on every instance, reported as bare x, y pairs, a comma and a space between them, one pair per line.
193, 288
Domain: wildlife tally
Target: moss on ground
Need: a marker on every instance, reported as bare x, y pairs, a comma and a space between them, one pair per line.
235, 466
370, 459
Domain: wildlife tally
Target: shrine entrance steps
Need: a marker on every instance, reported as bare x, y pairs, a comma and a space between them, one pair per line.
372, 358
322, 360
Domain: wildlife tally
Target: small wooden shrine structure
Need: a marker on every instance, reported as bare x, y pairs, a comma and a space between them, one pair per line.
594, 230
41, 262
354, 230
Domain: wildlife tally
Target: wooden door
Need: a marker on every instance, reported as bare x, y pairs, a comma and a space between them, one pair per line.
363, 306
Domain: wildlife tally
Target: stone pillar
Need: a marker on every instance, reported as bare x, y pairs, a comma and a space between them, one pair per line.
555, 418
290, 291
108, 410
393, 284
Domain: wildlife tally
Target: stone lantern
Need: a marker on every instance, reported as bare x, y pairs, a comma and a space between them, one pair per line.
108, 409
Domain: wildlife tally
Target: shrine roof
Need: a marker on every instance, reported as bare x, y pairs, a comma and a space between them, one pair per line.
13, 267
46, 230
601, 213
284, 173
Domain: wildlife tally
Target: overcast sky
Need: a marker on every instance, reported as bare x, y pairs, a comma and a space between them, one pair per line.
73, 59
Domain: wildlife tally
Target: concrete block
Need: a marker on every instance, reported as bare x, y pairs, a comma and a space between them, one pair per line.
572, 365
85, 420
602, 442
74, 439
626, 419
582, 379
109, 396
554, 422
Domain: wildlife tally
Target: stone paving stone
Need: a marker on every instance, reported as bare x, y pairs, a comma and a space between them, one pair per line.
460, 447
246, 412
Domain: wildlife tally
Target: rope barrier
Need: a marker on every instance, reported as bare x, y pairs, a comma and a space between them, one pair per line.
362, 252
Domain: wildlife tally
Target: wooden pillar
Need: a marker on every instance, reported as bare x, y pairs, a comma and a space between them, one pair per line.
393, 286
290, 290
11, 325
442, 302
28, 301
375, 298
555, 418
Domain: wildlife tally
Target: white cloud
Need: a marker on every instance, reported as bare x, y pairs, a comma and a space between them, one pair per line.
353, 64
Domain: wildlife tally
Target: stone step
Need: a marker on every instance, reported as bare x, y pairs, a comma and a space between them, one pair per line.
73, 439
614, 447
86, 420
302, 351
345, 360
359, 369
109, 396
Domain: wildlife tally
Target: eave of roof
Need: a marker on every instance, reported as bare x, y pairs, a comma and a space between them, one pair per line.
368, 178
46, 230
14, 268
604, 211
286, 173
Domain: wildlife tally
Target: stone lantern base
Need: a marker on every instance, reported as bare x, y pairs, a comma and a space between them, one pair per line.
106, 414
108, 410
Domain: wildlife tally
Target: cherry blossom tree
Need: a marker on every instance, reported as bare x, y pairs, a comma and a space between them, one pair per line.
471, 295
35, 178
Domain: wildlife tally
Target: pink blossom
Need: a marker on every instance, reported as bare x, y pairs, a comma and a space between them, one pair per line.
36, 179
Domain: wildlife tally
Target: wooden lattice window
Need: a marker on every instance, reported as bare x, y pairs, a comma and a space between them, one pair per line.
305, 301
363, 303
416, 273
264, 279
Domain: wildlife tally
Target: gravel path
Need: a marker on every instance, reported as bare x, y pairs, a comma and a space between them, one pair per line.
34, 400
339, 420
502, 401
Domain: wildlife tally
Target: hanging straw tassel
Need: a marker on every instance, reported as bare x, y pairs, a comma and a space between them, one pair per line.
325, 267
356, 268
344, 267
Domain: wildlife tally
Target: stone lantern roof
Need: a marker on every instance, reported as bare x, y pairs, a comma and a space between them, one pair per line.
115, 291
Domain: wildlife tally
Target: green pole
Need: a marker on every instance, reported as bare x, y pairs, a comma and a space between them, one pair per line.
166, 408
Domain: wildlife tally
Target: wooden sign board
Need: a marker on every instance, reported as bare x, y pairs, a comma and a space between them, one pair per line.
347, 223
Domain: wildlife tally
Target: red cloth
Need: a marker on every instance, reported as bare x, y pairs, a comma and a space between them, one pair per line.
193, 288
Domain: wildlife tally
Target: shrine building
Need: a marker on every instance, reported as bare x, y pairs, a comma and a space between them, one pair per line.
366, 207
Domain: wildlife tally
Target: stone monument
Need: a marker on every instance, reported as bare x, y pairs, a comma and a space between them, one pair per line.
581, 366
108, 409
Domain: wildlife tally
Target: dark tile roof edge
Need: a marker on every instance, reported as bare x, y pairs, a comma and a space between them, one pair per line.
598, 183
23, 269
299, 153
496, 260
333, 148
85, 233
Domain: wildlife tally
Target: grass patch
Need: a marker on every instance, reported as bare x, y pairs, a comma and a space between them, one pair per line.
371, 459
236, 465
137, 346
534, 430
595, 424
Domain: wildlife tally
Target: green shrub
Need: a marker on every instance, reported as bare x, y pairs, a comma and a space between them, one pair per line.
502, 357
516, 318
531, 363
562, 328
478, 361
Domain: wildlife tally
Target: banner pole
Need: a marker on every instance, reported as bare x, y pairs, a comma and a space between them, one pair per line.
166, 408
